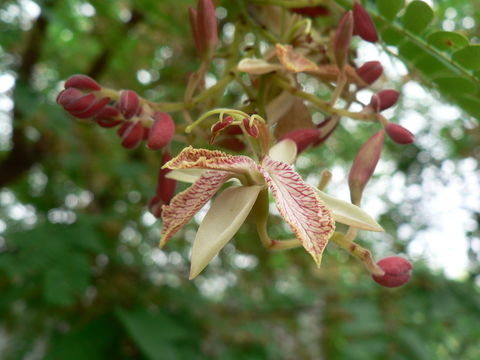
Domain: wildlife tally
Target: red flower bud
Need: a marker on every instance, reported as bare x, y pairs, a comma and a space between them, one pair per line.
343, 38
129, 103
364, 165
81, 103
232, 143
108, 117
82, 82
155, 206
207, 24
219, 126
193, 17
397, 271
303, 138
131, 134
364, 26
311, 11
251, 130
68, 96
370, 71
399, 134
91, 110
384, 99
165, 187
161, 132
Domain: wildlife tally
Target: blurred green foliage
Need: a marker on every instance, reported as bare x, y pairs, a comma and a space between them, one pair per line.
81, 276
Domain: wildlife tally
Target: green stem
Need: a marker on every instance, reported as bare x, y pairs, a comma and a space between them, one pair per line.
359, 252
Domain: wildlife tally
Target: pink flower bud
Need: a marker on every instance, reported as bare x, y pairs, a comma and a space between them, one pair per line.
324, 134
155, 206
343, 38
311, 11
399, 134
219, 126
91, 110
82, 82
199, 43
384, 99
80, 104
397, 271
251, 130
129, 103
364, 165
108, 117
131, 134
364, 26
370, 71
165, 187
303, 138
207, 24
161, 132
66, 97
232, 143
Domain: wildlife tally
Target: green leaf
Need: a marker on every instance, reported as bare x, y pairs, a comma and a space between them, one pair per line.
455, 84
417, 16
161, 335
447, 40
390, 8
468, 57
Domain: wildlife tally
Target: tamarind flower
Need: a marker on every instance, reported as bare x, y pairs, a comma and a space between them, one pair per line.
310, 213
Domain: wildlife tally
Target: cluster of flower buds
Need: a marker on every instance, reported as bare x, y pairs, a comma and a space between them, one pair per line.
84, 98
165, 189
304, 138
204, 25
397, 271
354, 22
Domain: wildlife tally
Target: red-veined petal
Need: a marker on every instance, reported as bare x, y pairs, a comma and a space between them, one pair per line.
300, 206
191, 158
186, 204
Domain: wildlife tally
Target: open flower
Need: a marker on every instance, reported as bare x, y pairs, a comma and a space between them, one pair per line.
302, 207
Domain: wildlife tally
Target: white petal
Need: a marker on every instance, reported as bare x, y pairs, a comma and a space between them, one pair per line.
222, 221
257, 66
285, 151
347, 213
185, 175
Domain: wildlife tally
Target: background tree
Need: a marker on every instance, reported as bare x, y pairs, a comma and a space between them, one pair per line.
81, 275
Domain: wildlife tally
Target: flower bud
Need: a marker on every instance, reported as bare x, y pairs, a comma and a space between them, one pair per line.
91, 110
384, 99
68, 96
82, 82
303, 138
207, 24
129, 103
131, 134
364, 165
193, 17
161, 132
343, 38
165, 187
397, 271
364, 26
311, 11
81, 103
399, 134
108, 117
370, 71
252, 129
219, 126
